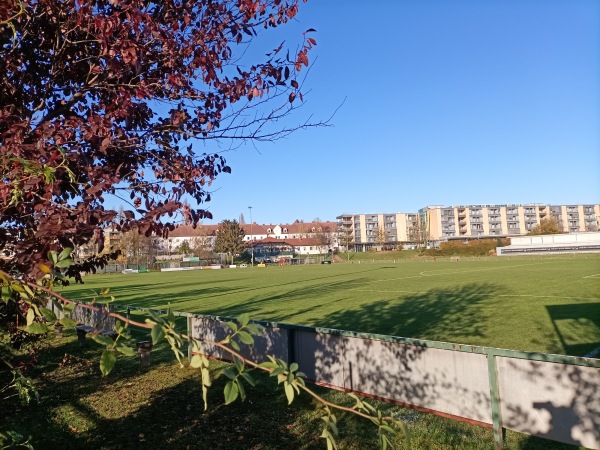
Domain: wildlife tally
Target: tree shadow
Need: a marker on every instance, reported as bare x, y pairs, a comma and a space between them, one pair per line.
576, 323
278, 311
552, 401
436, 314
168, 417
148, 295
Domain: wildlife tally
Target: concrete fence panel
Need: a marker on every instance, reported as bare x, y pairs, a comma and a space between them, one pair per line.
552, 396
434, 379
99, 319
555, 401
273, 341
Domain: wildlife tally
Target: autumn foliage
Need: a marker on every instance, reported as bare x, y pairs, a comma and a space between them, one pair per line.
475, 247
104, 99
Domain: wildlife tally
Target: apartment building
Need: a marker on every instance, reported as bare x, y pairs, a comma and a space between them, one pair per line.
361, 232
440, 223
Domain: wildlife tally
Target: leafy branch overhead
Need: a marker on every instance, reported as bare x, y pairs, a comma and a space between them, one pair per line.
111, 98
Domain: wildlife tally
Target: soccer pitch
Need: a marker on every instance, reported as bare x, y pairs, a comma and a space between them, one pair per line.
549, 304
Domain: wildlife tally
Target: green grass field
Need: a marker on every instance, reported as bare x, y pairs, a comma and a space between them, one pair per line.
549, 304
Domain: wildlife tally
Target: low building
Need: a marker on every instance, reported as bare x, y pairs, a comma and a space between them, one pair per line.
307, 237
552, 244
273, 249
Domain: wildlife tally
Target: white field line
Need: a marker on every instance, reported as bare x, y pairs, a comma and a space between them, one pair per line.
596, 275
390, 291
432, 273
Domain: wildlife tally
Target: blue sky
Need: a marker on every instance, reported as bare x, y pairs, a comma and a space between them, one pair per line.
444, 103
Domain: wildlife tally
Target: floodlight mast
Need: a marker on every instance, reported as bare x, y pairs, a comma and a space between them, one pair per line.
251, 239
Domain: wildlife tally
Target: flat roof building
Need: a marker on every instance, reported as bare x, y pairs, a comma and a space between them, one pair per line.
441, 223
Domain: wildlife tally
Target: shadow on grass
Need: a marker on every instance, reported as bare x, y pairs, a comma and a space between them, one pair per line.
274, 307
152, 294
155, 408
577, 323
435, 314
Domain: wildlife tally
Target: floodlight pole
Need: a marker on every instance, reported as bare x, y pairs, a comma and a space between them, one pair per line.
251, 238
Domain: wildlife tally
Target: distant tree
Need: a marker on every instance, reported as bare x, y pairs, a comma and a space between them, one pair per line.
549, 225
230, 238
184, 248
135, 247
414, 231
202, 245
380, 237
324, 238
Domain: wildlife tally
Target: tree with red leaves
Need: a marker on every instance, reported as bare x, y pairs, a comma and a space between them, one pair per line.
104, 98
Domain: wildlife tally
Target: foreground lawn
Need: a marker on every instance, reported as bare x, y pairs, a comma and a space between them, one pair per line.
549, 304
161, 407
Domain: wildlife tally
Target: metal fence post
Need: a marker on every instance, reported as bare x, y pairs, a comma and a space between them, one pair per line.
291, 340
189, 333
495, 400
